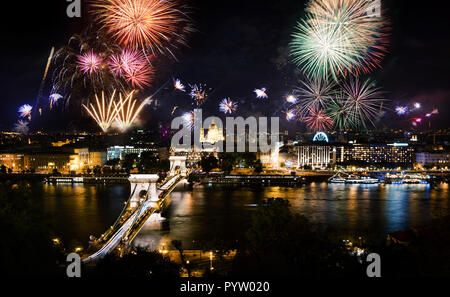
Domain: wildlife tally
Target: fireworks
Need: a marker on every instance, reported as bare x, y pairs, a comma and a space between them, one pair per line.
128, 60
156, 25
178, 85
139, 77
198, 93
317, 120
127, 110
188, 119
76, 85
291, 99
25, 111
314, 94
227, 106
104, 113
336, 109
261, 93
401, 110
338, 37
89, 62
363, 102
434, 112
123, 112
133, 66
290, 115
173, 110
21, 127
54, 98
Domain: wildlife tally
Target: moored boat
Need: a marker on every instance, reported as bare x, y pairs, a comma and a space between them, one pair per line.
344, 178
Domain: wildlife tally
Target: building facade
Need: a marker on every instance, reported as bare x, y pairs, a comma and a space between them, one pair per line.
439, 159
12, 161
119, 152
47, 162
396, 153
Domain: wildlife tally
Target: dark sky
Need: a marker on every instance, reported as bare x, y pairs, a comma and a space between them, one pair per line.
239, 46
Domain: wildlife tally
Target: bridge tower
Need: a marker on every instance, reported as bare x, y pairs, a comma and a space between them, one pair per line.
145, 187
178, 163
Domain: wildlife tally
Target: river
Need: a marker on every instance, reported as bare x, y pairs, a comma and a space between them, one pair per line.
205, 212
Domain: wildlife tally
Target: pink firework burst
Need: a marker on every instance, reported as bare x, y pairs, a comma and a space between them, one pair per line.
116, 65
89, 62
139, 77
318, 120
133, 66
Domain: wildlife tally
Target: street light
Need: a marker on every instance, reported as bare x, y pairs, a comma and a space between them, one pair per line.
210, 261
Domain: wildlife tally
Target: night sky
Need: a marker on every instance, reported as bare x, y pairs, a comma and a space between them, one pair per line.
239, 46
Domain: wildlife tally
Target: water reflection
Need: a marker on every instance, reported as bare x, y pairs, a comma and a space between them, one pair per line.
220, 212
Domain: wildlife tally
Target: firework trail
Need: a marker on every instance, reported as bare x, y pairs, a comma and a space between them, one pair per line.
227, 106
261, 93
44, 78
128, 110
174, 109
21, 127
25, 111
104, 113
154, 25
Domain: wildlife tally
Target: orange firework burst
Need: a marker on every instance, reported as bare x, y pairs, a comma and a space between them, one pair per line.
155, 25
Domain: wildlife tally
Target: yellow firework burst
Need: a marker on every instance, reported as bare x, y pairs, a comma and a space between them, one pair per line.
127, 111
104, 112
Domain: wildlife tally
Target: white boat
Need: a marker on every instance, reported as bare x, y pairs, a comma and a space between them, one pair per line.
344, 178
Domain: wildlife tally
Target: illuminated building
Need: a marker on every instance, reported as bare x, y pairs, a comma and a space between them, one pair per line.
61, 143
317, 156
399, 153
47, 162
119, 152
439, 159
82, 159
12, 161
214, 134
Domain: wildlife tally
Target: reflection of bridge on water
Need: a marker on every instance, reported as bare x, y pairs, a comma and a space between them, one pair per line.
146, 199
